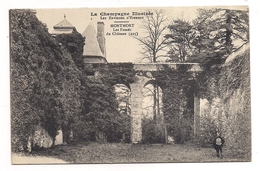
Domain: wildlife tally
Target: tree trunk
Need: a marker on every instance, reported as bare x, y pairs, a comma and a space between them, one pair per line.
154, 102
154, 56
157, 99
53, 141
228, 32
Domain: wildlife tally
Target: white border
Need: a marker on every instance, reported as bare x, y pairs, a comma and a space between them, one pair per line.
5, 158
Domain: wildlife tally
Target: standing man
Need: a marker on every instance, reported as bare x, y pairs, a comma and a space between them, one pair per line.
218, 144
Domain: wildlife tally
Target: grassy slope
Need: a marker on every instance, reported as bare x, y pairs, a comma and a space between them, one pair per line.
127, 153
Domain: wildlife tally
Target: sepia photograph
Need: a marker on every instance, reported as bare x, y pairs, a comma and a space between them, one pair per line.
130, 85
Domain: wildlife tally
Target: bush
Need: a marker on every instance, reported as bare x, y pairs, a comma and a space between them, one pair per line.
207, 132
152, 131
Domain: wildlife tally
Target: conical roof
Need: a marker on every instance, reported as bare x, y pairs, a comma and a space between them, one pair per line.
91, 47
64, 24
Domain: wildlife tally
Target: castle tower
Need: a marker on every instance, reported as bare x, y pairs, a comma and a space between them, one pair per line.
101, 37
63, 27
93, 50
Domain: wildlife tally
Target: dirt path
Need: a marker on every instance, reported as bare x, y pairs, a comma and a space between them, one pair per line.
22, 159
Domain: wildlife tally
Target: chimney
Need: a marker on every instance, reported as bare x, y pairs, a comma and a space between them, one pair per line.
101, 37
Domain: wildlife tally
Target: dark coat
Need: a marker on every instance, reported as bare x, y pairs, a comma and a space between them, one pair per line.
222, 141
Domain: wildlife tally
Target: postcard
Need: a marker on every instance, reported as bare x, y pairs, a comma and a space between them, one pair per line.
130, 85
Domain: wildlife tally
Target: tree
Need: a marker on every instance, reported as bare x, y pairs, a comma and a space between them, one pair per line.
180, 40
153, 127
219, 31
123, 97
152, 99
153, 42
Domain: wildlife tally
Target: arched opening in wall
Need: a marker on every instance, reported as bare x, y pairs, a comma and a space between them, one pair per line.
153, 127
123, 97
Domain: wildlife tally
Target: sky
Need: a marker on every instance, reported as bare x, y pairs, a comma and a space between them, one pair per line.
119, 48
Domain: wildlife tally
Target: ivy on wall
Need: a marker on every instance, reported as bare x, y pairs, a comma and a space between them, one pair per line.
43, 79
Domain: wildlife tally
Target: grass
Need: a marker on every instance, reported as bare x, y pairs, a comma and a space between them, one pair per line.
128, 153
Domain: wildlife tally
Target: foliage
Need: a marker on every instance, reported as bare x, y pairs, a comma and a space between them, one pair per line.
178, 104
74, 44
43, 74
219, 31
180, 40
100, 119
235, 75
231, 113
207, 131
69, 79
47, 88
236, 118
121, 73
152, 130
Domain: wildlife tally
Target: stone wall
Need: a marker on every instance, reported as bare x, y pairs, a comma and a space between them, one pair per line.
230, 112
236, 110
41, 139
136, 107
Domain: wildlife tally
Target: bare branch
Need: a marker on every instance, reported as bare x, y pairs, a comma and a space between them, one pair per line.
154, 42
